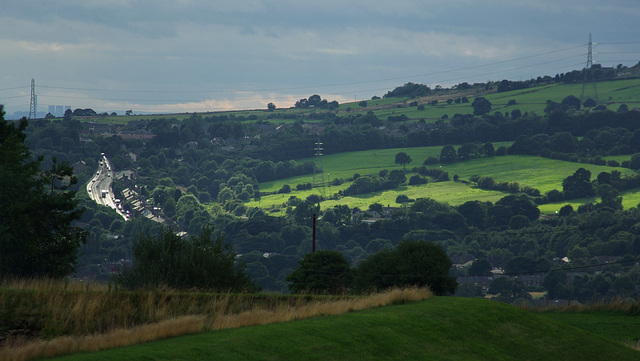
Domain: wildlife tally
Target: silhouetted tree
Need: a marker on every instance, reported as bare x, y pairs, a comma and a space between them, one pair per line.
37, 209
324, 272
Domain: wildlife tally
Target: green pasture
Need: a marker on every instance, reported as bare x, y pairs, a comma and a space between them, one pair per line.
454, 193
630, 199
609, 93
368, 162
541, 173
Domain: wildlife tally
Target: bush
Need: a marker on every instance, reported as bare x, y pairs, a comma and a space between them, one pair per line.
403, 199
337, 181
285, 189
197, 261
431, 160
325, 272
416, 180
412, 263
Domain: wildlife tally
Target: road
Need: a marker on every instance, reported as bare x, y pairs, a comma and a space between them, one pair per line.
100, 187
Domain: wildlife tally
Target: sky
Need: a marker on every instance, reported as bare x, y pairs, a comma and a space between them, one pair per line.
176, 56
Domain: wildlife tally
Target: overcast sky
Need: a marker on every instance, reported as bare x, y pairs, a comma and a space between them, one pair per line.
209, 55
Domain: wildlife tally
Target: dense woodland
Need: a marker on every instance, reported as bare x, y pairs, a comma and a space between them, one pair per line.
200, 171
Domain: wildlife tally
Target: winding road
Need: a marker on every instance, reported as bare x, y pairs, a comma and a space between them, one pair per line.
100, 187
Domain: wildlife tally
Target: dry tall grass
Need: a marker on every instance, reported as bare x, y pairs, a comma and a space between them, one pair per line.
92, 317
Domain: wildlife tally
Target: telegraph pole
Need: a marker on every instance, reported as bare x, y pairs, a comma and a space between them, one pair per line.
313, 237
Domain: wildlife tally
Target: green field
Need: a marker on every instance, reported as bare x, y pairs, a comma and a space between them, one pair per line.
442, 328
609, 93
541, 173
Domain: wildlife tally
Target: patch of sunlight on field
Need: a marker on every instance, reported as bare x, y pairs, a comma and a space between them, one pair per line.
453, 193
541, 173
630, 199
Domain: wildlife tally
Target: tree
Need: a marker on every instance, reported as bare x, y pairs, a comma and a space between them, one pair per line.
396, 178
304, 212
578, 185
508, 289
521, 264
589, 103
37, 209
487, 150
271, 107
554, 282
412, 263
609, 196
481, 106
448, 154
325, 272
474, 213
467, 151
563, 142
480, 267
314, 100
571, 101
403, 159
199, 261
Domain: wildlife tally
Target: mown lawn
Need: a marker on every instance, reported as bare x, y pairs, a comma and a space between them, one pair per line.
442, 328
613, 325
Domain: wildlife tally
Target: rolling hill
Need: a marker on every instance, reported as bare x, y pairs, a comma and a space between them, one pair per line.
442, 328
541, 173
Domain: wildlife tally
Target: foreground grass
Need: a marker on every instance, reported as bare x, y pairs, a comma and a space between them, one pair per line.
442, 328
70, 320
618, 320
608, 324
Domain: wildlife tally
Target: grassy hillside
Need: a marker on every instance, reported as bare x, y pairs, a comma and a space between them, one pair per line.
609, 93
442, 328
541, 173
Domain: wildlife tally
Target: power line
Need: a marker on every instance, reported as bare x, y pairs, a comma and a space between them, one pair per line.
327, 85
14, 88
620, 43
512, 274
267, 98
571, 268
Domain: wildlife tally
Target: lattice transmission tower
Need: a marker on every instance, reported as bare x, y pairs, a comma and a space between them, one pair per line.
588, 72
33, 104
318, 172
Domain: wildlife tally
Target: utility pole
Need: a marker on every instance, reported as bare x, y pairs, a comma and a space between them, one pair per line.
313, 237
